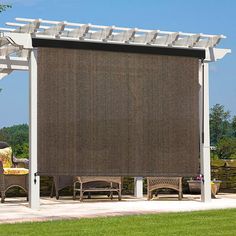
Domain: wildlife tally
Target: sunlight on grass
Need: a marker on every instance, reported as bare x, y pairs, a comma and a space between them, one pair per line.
220, 222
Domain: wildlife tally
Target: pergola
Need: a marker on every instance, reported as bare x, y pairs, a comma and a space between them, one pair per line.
17, 52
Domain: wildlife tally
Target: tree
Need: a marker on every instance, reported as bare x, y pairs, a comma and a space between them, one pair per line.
3, 7
234, 126
226, 148
219, 123
18, 138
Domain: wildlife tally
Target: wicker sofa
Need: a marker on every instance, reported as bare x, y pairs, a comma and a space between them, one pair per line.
90, 184
11, 172
87, 185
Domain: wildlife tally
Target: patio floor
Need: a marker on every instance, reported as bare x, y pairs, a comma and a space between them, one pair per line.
17, 210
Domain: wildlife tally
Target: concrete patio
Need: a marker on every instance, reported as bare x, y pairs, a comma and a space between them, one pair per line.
17, 210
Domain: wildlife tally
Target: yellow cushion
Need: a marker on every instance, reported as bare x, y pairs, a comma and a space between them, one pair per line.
5, 157
15, 171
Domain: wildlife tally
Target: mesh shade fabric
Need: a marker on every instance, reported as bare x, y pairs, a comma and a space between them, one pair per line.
117, 113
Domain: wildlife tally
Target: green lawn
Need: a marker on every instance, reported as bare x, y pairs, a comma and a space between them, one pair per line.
220, 222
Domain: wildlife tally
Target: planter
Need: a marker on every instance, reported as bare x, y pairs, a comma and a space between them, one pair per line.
215, 187
195, 186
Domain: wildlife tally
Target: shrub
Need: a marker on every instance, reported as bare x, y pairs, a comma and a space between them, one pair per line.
226, 148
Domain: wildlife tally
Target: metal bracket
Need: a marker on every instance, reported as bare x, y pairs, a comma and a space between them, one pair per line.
201, 177
35, 177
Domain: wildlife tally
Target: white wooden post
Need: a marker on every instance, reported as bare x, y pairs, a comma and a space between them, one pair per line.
204, 133
34, 185
138, 187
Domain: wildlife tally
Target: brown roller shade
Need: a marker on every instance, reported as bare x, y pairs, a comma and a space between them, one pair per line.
117, 113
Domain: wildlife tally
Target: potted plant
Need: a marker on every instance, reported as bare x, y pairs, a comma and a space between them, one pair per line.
194, 185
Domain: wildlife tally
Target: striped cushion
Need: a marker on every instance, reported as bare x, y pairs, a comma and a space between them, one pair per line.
15, 171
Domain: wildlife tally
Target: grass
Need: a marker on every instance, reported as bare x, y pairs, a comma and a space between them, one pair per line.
217, 222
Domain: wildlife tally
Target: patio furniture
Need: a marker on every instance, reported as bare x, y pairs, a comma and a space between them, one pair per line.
10, 173
155, 183
59, 183
97, 184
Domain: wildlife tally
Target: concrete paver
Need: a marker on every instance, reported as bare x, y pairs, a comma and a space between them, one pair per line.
17, 210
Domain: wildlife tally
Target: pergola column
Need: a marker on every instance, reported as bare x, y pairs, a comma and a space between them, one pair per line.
205, 164
138, 187
34, 184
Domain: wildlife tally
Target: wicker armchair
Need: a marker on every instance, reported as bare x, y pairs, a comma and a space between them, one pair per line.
155, 183
11, 173
59, 183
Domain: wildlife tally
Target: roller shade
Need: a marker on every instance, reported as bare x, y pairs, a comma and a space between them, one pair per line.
117, 113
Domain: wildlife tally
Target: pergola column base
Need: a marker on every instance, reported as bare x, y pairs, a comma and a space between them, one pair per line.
138, 187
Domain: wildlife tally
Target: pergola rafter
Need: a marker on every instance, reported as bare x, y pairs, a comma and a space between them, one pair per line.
69, 30
39, 28
12, 57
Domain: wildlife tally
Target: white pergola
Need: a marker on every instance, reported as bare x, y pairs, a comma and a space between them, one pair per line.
18, 53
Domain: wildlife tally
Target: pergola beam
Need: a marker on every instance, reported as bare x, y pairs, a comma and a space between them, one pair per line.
4, 72
124, 36
147, 38
22, 40
77, 31
54, 31
103, 34
14, 63
25, 28
214, 54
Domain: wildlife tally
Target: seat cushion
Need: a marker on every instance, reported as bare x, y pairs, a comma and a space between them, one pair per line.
6, 157
15, 171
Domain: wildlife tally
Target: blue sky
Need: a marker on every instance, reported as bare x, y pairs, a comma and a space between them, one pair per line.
202, 16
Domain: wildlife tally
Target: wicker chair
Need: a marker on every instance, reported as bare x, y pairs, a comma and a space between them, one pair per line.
155, 183
59, 183
11, 175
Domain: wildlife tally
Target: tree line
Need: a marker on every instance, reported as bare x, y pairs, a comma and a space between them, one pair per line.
17, 136
222, 132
